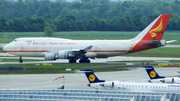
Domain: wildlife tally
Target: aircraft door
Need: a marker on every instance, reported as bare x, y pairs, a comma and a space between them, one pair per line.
22, 48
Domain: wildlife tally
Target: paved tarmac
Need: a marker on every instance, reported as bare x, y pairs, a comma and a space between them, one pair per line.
101, 60
77, 80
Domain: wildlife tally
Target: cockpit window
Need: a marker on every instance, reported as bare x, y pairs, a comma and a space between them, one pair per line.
15, 40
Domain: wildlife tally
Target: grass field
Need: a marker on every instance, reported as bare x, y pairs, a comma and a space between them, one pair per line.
158, 52
60, 68
7, 37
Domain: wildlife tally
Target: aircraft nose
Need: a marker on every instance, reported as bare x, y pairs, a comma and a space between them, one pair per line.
4, 48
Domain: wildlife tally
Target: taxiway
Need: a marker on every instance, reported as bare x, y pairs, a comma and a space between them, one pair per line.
76, 80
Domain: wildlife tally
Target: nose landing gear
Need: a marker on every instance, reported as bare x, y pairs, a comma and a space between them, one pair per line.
20, 59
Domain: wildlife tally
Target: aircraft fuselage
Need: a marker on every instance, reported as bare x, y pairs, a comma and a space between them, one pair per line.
38, 47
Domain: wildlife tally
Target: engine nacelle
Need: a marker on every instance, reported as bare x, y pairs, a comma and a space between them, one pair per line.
58, 55
169, 80
50, 56
163, 42
107, 84
63, 54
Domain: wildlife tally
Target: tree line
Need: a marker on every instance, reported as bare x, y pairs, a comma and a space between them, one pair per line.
87, 15
70, 23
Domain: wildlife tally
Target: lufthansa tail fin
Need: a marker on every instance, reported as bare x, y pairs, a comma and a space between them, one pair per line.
152, 73
155, 30
92, 78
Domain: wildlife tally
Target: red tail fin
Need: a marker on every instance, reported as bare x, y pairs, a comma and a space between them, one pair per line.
150, 37
155, 30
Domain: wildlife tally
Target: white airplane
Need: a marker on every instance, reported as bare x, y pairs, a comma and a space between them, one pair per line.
156, 78
58, 48
96, 83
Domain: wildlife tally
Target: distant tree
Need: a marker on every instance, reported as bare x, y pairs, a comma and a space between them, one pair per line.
3, 24
48, 31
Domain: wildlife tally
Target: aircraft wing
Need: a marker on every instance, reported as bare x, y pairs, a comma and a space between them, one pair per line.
80, 52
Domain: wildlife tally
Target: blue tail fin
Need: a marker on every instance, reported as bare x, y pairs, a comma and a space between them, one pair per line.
91, 76
152, 73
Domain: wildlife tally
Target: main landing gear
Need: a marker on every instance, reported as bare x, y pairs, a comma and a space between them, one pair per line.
84, 60
20, 60
72, 61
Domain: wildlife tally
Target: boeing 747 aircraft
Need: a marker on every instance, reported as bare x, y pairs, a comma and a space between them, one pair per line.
96, 83
58, 48
156, 78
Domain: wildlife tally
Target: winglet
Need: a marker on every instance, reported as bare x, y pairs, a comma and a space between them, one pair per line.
92, 78
152, 73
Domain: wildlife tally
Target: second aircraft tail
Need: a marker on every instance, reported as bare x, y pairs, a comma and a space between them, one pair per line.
152, 73
92, 78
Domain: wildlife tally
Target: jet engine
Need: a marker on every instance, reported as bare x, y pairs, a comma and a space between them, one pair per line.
63, 55
50, 56
107, 84
58, 55
168, 80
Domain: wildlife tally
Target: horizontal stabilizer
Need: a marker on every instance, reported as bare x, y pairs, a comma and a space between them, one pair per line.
171, 41
151, 43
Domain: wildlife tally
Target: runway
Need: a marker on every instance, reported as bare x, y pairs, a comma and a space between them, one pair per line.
97, 60
76, 80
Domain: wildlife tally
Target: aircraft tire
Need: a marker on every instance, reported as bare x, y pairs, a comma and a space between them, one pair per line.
84, 61
72, 61
20, 61
88, 61
81, 61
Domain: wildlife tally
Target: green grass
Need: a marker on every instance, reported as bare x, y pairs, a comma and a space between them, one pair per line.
17, 60
57, 68
158, 52
86, 35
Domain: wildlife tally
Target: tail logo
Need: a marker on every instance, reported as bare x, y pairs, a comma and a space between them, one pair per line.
92, 78
157, 29
152, 74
